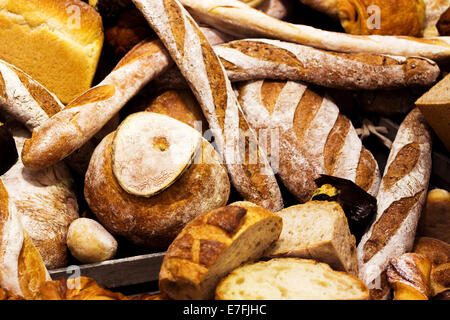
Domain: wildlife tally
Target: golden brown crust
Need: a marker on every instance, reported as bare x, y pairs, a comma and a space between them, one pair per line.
405, 160
151, 222
435, 220
437, 251
335, 141
366, 171
2, 87
228, 219
93, 95
306, 111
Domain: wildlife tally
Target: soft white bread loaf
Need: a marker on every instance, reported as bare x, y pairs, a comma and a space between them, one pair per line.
57, 42
22, 270
317, 230
239, 19
325, 141
247, 165
290, 279
401, 199
212, 245
45, 201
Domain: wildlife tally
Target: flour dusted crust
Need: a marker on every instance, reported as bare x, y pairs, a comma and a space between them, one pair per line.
325, 141
253, 178
72, 127
237, 18
250, 59
150, 151
154, 222
401, 198
22, 270
46, 203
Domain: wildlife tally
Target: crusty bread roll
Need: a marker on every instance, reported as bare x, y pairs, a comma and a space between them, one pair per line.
212, 245
400, 17
317, 230
57, 42
90, 242
400, 200
290, 279
45, 201
22, 270
324, 140
155, 221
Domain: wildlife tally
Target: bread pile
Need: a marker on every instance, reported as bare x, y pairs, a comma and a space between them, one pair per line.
232, 135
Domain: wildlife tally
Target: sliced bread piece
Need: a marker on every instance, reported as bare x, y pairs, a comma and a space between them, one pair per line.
290, 279
212, 245
317, 230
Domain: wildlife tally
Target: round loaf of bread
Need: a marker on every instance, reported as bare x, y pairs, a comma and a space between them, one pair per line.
155, 221
90, 242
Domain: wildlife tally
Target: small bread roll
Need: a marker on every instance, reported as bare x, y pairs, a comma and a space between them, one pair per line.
89, 242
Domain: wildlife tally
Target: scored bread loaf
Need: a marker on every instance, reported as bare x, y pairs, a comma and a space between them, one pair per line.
57, 42
317, 230
323, 136
250, 59
237, 18
153, 222
45, 201
249, 169
212, 245
22, 270
290, 279
400, 200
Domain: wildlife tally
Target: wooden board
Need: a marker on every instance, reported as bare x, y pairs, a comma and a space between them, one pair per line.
118, 272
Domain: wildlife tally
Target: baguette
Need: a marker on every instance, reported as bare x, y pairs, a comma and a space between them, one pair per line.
212, 245
250, 59
325, 138
22, 270
401, 199
249, 171
71, 128
236, 18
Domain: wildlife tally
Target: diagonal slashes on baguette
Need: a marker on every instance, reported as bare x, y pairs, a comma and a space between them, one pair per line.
201, 67
401, 198
250, 59
22, 270
239, 19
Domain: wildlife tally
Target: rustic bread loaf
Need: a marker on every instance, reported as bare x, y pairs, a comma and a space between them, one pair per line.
325, 138
57, 42
401, 199
250, 59
409, 276
238, 19
45, 201
90, 242
290, 279
212, 245
155, 221
435, 219
317, 230
247, 165
22, 270
434, 10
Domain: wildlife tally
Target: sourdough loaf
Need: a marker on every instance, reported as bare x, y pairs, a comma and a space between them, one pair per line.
155, 221
57, 42
317, 230
324, 137
401, 199
290, 279
212, 245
